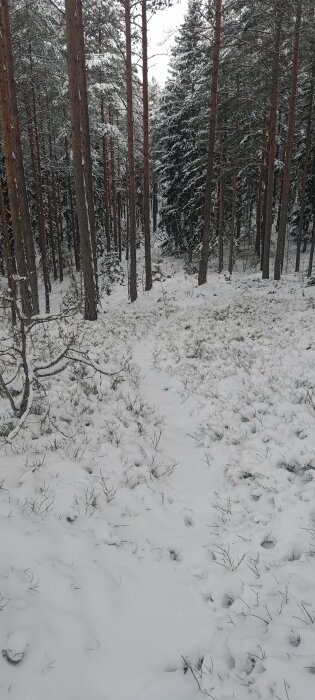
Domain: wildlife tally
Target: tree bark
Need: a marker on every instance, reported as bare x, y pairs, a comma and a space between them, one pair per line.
260, 192
221, 218
85, 128
154, 204
146, 151
312, 249
284, 201
37, 170
9, 261
272, 140
76, 243
233, 214
113, 187
203, 265
79, 144
131, 160
304, 175
24, 243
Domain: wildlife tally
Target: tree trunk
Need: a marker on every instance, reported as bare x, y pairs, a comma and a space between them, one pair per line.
259, 202
231, 252
284, 201
85, 128
113, 185
131, 161
154, 205
24, 243
146, 150
9, 261
203, 265
78, 123
311, 258
221, 219
272, 141
51, 230
37, 170
304, 176
76, 243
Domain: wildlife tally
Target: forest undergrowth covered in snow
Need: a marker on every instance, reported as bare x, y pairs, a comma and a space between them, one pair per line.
158, 524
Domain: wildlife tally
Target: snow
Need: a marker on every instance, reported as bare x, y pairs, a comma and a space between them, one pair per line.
157, 528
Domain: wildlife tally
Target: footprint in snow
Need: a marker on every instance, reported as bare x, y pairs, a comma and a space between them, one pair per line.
175, 556
15, 649
268, 543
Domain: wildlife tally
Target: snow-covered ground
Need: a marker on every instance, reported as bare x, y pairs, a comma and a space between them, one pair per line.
158, 528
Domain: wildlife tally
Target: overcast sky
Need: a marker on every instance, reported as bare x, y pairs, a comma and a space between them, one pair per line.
162, 28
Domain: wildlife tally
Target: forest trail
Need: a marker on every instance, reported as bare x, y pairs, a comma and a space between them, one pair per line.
237, 511
173, 522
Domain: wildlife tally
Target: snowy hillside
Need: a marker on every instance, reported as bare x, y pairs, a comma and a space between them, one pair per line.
158, 526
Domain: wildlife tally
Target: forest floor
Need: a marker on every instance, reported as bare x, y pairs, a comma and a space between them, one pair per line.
158, 528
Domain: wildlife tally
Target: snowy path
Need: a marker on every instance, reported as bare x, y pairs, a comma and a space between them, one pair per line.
206, 550
244, 512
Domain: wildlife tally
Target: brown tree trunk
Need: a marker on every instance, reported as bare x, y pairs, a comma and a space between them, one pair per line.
304, 176
264, 207
119, 203
51, 230
146, 150
85, 128
9, 261
131, 160
154, 204
113, 185
105, 182
284, 201
76, 243
260, 200
57, 222
312, 249
203, 265
37, 171
24, 243
272, 142
233, 214
78, 123
221, 219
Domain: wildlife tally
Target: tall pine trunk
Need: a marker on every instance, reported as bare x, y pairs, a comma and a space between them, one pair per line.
284, 202
37, 169
21, 222
146, 151
203, 265
131, 160
308, 144
259, 204
79, 123
8, 259
312, 249
272, 141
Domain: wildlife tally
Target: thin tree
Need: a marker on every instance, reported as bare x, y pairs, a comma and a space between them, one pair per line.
24, 243
308, 144
203, 265
79, 124
8, 257
272, 142
131, 159
284, 203
146, 147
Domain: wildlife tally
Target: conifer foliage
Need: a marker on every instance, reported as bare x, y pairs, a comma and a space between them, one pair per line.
91, 149
246, 189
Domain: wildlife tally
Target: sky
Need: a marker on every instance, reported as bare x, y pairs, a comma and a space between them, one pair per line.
162, 29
